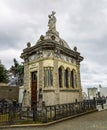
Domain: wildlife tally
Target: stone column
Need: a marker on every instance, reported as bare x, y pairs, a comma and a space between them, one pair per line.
27, 90
56, 81
79, 82
69, 79
40, 84
41, 75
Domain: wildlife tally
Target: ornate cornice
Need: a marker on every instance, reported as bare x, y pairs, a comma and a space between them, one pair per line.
52, 45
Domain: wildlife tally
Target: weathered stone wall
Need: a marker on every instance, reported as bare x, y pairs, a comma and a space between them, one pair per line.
68, 96
51, 95
41, 76
9, 92
56, 82
56, 95
79, 82
27, 90
28, 69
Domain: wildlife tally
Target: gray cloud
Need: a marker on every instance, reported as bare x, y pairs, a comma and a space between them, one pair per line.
80, 23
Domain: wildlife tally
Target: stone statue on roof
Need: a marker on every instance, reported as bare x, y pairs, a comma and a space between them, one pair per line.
52, 22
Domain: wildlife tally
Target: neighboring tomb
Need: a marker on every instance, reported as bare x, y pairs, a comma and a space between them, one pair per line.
51, 70
92, 92
8, 92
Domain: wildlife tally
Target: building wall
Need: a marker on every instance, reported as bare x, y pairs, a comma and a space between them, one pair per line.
52, 95
55, 95
92, 92
103, 91
9, 92
52, 98
27, 84
49, 97
68, 97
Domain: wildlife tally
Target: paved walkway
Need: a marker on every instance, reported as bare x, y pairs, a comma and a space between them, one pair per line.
93, 121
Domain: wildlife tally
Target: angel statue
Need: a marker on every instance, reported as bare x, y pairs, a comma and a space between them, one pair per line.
52, 21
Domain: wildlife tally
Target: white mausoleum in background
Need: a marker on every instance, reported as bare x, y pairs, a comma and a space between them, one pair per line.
92, 92
103, 91
51, 70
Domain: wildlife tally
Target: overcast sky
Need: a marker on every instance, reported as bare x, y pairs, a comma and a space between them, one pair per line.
81, 23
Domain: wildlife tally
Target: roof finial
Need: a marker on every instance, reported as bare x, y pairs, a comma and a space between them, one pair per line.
52, 21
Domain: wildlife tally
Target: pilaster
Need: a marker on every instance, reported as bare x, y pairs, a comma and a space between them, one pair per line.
56, 81
27, 90
79, 82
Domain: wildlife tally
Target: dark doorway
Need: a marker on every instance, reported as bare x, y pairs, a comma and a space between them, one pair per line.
34, 88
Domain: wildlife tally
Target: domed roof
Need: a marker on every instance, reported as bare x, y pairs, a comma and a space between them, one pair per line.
54, 36
64, 43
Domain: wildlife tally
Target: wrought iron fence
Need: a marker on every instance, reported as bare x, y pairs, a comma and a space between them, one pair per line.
12, 114
65, 110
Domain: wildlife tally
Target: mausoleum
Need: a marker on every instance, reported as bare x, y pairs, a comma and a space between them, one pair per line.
51, 70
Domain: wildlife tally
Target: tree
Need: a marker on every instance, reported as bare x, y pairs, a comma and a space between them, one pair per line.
3, 74
18, 71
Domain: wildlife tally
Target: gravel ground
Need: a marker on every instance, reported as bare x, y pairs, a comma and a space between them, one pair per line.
93, 121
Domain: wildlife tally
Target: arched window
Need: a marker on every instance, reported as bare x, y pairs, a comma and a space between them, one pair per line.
67, 78
72, 79
60, 77
48, 76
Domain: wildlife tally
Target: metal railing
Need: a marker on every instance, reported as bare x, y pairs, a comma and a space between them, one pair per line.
12, 114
